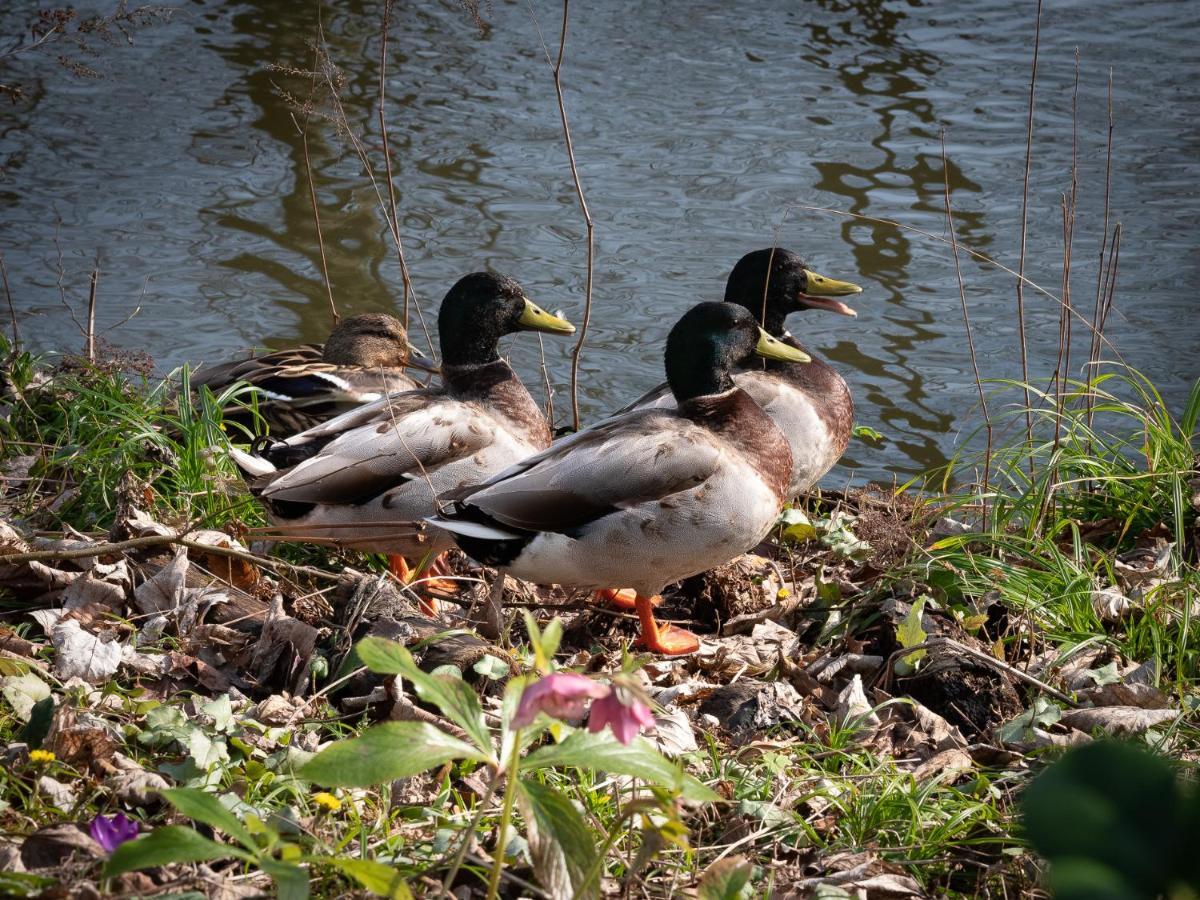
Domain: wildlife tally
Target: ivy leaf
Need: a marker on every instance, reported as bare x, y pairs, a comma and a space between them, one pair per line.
384, 753
797, 526
909, 633
491, 667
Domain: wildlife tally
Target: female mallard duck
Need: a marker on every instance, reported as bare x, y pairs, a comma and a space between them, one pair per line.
810, 403
366, 357
370, 477
650, 496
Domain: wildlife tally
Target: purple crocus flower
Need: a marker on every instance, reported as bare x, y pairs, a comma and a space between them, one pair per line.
561, 695
112, 833
625, 719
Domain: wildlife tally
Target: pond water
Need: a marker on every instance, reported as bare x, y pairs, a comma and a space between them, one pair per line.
696, 127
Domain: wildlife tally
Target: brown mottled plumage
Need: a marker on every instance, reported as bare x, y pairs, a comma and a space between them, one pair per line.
647, 497
369, 478
810, 402
366, 357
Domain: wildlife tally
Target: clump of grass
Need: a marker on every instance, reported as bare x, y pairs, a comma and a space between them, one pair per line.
93, 428
1110, 470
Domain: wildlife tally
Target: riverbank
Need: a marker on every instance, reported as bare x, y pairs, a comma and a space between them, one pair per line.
878, 684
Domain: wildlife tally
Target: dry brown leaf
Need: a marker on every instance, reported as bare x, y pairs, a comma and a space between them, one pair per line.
1117, 719
951, 763
1136, 694
81, 654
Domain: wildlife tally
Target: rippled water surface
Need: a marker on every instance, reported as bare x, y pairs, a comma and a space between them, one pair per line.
696, 127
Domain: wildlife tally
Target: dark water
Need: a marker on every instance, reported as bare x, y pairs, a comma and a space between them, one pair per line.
696, 126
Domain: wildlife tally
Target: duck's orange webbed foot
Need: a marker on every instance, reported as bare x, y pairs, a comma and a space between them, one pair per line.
426, 579
666, 639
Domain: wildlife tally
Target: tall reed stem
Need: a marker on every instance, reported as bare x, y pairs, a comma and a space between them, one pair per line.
1037, 37
962, 296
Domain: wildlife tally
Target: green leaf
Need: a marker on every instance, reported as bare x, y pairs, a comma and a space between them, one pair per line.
1105, 674
205, 751
797, 526
291, 881
380, 880
38, 726
560, 842
867, 433
22, 692
201, 807
384, 753
221, 710
605, 753
453, 696
909, 633
1114, 821
164, 845
727, 879
491, 667
1043, 713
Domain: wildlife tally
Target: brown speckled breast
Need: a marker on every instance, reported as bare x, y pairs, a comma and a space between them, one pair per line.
739, 420
496, 386
827, 389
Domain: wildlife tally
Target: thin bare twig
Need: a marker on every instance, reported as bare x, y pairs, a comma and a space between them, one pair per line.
394, 223
90, 338
1062, 365
583, 207
962, 296
12, 312
1037, 37
974, 254
1094, 345
312, 195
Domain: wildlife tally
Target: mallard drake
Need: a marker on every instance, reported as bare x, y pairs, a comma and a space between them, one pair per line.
369, 478
810, 403
366, 357
647, 497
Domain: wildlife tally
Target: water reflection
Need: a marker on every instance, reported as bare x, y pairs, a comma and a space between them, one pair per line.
872, 61
694, 127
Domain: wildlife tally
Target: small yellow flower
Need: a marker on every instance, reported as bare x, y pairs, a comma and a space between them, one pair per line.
41, 756
327, 801
782, 594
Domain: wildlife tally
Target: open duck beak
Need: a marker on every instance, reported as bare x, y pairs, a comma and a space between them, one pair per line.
534, 318
773, 348
820, 290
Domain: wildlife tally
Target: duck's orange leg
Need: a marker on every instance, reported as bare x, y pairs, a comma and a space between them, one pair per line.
623, 598
425, 578
666, 639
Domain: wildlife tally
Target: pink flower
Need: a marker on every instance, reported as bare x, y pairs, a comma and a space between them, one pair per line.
625, 719
561, 695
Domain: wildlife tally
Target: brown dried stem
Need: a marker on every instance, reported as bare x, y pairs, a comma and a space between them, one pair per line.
962, 296
90, 337
312, 194
583, 207
12, 312
394, 222
1037, 36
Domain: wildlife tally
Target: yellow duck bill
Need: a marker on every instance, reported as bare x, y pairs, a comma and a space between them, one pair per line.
534, 318
819, 291
773, 348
